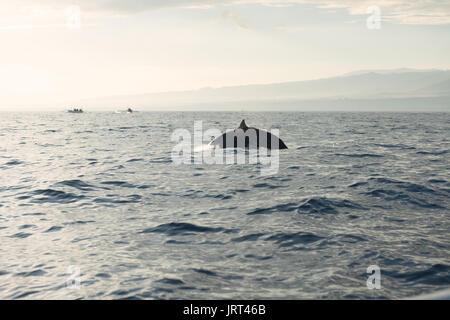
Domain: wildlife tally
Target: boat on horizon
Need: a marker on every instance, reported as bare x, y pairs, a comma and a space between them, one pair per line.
128, 110
75, 110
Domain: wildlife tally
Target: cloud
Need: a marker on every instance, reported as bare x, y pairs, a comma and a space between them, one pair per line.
288, 28
237, 20
396, 11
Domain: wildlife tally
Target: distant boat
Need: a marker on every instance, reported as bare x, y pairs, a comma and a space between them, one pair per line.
75, 110
128, 110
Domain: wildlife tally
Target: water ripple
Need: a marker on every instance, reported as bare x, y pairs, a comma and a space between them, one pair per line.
182, 229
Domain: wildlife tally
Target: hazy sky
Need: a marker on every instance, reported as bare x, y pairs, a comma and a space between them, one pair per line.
132, 46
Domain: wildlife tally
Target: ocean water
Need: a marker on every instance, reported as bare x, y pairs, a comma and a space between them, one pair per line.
93, 207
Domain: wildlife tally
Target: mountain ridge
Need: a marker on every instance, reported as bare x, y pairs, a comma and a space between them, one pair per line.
364, 85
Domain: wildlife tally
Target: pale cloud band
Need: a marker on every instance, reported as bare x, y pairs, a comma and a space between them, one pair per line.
395, 11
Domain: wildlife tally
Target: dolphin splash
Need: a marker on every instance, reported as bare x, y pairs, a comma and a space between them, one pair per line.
245, 137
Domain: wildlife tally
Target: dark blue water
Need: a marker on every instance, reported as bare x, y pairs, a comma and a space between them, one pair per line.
99, 192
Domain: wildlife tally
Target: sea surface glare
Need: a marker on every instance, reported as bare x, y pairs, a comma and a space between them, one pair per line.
92, 206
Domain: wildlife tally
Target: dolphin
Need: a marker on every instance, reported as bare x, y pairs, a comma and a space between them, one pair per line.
246, 137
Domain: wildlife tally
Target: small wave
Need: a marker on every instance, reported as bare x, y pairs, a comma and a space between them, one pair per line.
78, 222
405, 192
240, 190
55, 196
103, 275
122, 184
349, 238
248, 237
13, 163
171, 241
260, 258
353, 131
278, 208
405, 185
170, 281
433, 153
134, 198
206, 272
326, 205
311, 205
25, 294
34, 273
144, 187
437, 274
360, 155
21, 235
393, 195
292, 239
47, 145
85, 131
161, 160
437, 181
399, 128
266, 185
394, 146
26, 226
53, 229
223, 197
79, 239
374, 185
121, 293
77, 184
182, 229
358, 184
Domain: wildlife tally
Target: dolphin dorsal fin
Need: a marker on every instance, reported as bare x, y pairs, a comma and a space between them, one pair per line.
243, 125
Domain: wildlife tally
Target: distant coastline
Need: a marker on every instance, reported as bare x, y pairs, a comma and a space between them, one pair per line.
402, 90
383, 90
